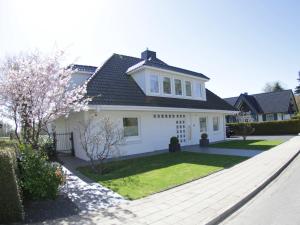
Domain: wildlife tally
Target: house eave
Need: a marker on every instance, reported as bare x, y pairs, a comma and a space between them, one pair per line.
130, 72
99, 108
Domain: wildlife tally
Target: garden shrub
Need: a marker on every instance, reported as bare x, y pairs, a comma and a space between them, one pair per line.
174, 140
11, 208
273, 127
40, 179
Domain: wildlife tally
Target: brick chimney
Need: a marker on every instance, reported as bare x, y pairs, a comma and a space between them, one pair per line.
147, 55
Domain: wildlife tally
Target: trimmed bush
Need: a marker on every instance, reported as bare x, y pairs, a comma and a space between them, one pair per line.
174, 140
6, 144
11, 208
204, 136
273, 127
40, 179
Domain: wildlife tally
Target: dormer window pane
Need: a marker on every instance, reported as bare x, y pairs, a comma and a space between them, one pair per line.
154, 86
178, 87
167, 85
188, 88
198, 90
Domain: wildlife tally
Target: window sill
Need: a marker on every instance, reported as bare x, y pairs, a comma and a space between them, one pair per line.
132, 140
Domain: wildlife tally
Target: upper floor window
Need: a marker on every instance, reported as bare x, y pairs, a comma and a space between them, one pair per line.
154, 85
188, 88
178, 87
216, 124
198, 90
167, 85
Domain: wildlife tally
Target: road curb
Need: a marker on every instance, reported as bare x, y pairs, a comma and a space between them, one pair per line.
247, 198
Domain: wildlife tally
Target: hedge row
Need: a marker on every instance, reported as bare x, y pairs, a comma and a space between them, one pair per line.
11, 208
274, 127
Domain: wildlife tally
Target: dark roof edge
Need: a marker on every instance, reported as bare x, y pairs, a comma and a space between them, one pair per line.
260, 93
99, 68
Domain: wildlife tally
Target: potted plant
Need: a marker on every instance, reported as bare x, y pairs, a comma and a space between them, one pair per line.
174, 145
204, 141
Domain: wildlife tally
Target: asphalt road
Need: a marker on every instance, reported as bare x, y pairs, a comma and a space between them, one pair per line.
277, 204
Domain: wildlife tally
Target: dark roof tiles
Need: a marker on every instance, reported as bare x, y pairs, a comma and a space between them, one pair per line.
113, 86
271, 102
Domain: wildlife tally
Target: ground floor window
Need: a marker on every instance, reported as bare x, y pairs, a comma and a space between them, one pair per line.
131, 126
216, 123
270, 117
203, 127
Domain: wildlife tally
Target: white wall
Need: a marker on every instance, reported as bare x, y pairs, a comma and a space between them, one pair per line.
139, 78
154, 133
70, 124
286, 116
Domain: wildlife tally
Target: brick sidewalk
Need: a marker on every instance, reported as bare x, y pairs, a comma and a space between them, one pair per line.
200, 201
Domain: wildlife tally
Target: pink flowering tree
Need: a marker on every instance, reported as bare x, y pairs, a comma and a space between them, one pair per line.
34, 90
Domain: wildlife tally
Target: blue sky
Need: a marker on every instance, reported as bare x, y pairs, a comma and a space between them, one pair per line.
239, 44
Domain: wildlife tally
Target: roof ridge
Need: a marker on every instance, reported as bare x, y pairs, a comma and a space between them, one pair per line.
76, 64
127, 56
272, 92
259, 93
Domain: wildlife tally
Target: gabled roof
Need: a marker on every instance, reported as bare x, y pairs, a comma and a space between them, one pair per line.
112, 86
83, 68
164, 66
270, 102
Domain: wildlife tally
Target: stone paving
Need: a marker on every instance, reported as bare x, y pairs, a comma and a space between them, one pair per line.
222, 151
198, 202
89, 197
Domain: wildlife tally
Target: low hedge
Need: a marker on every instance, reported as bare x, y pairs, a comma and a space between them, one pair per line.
11, 208
273, 127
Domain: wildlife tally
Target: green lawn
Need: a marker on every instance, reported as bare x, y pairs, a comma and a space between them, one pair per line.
140, 177
248, 144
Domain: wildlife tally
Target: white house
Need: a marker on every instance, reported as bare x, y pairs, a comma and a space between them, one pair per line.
151, 100
270, 106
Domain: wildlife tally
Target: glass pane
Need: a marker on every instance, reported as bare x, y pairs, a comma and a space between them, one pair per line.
178, 87
203, 127
198, 90
154, 84
167, 85
270, 117
215, 123
130, 127
188, 88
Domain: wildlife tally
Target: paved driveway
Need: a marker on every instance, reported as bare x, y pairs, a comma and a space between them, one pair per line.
264, 137
278, 204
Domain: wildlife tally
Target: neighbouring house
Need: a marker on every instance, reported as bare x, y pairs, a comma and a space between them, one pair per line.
270, 106
151, 100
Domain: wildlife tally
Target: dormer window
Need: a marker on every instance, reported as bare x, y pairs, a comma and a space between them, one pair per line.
188, 88
178, 87
167, 86
198, 90
154, 84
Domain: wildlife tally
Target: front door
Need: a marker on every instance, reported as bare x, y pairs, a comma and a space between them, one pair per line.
203, 125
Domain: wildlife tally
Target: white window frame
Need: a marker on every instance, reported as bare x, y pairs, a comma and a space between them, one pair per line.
191, 84
158, 84
171, 85
175, 87
197, 93
203, 117
218, 120
133, 138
